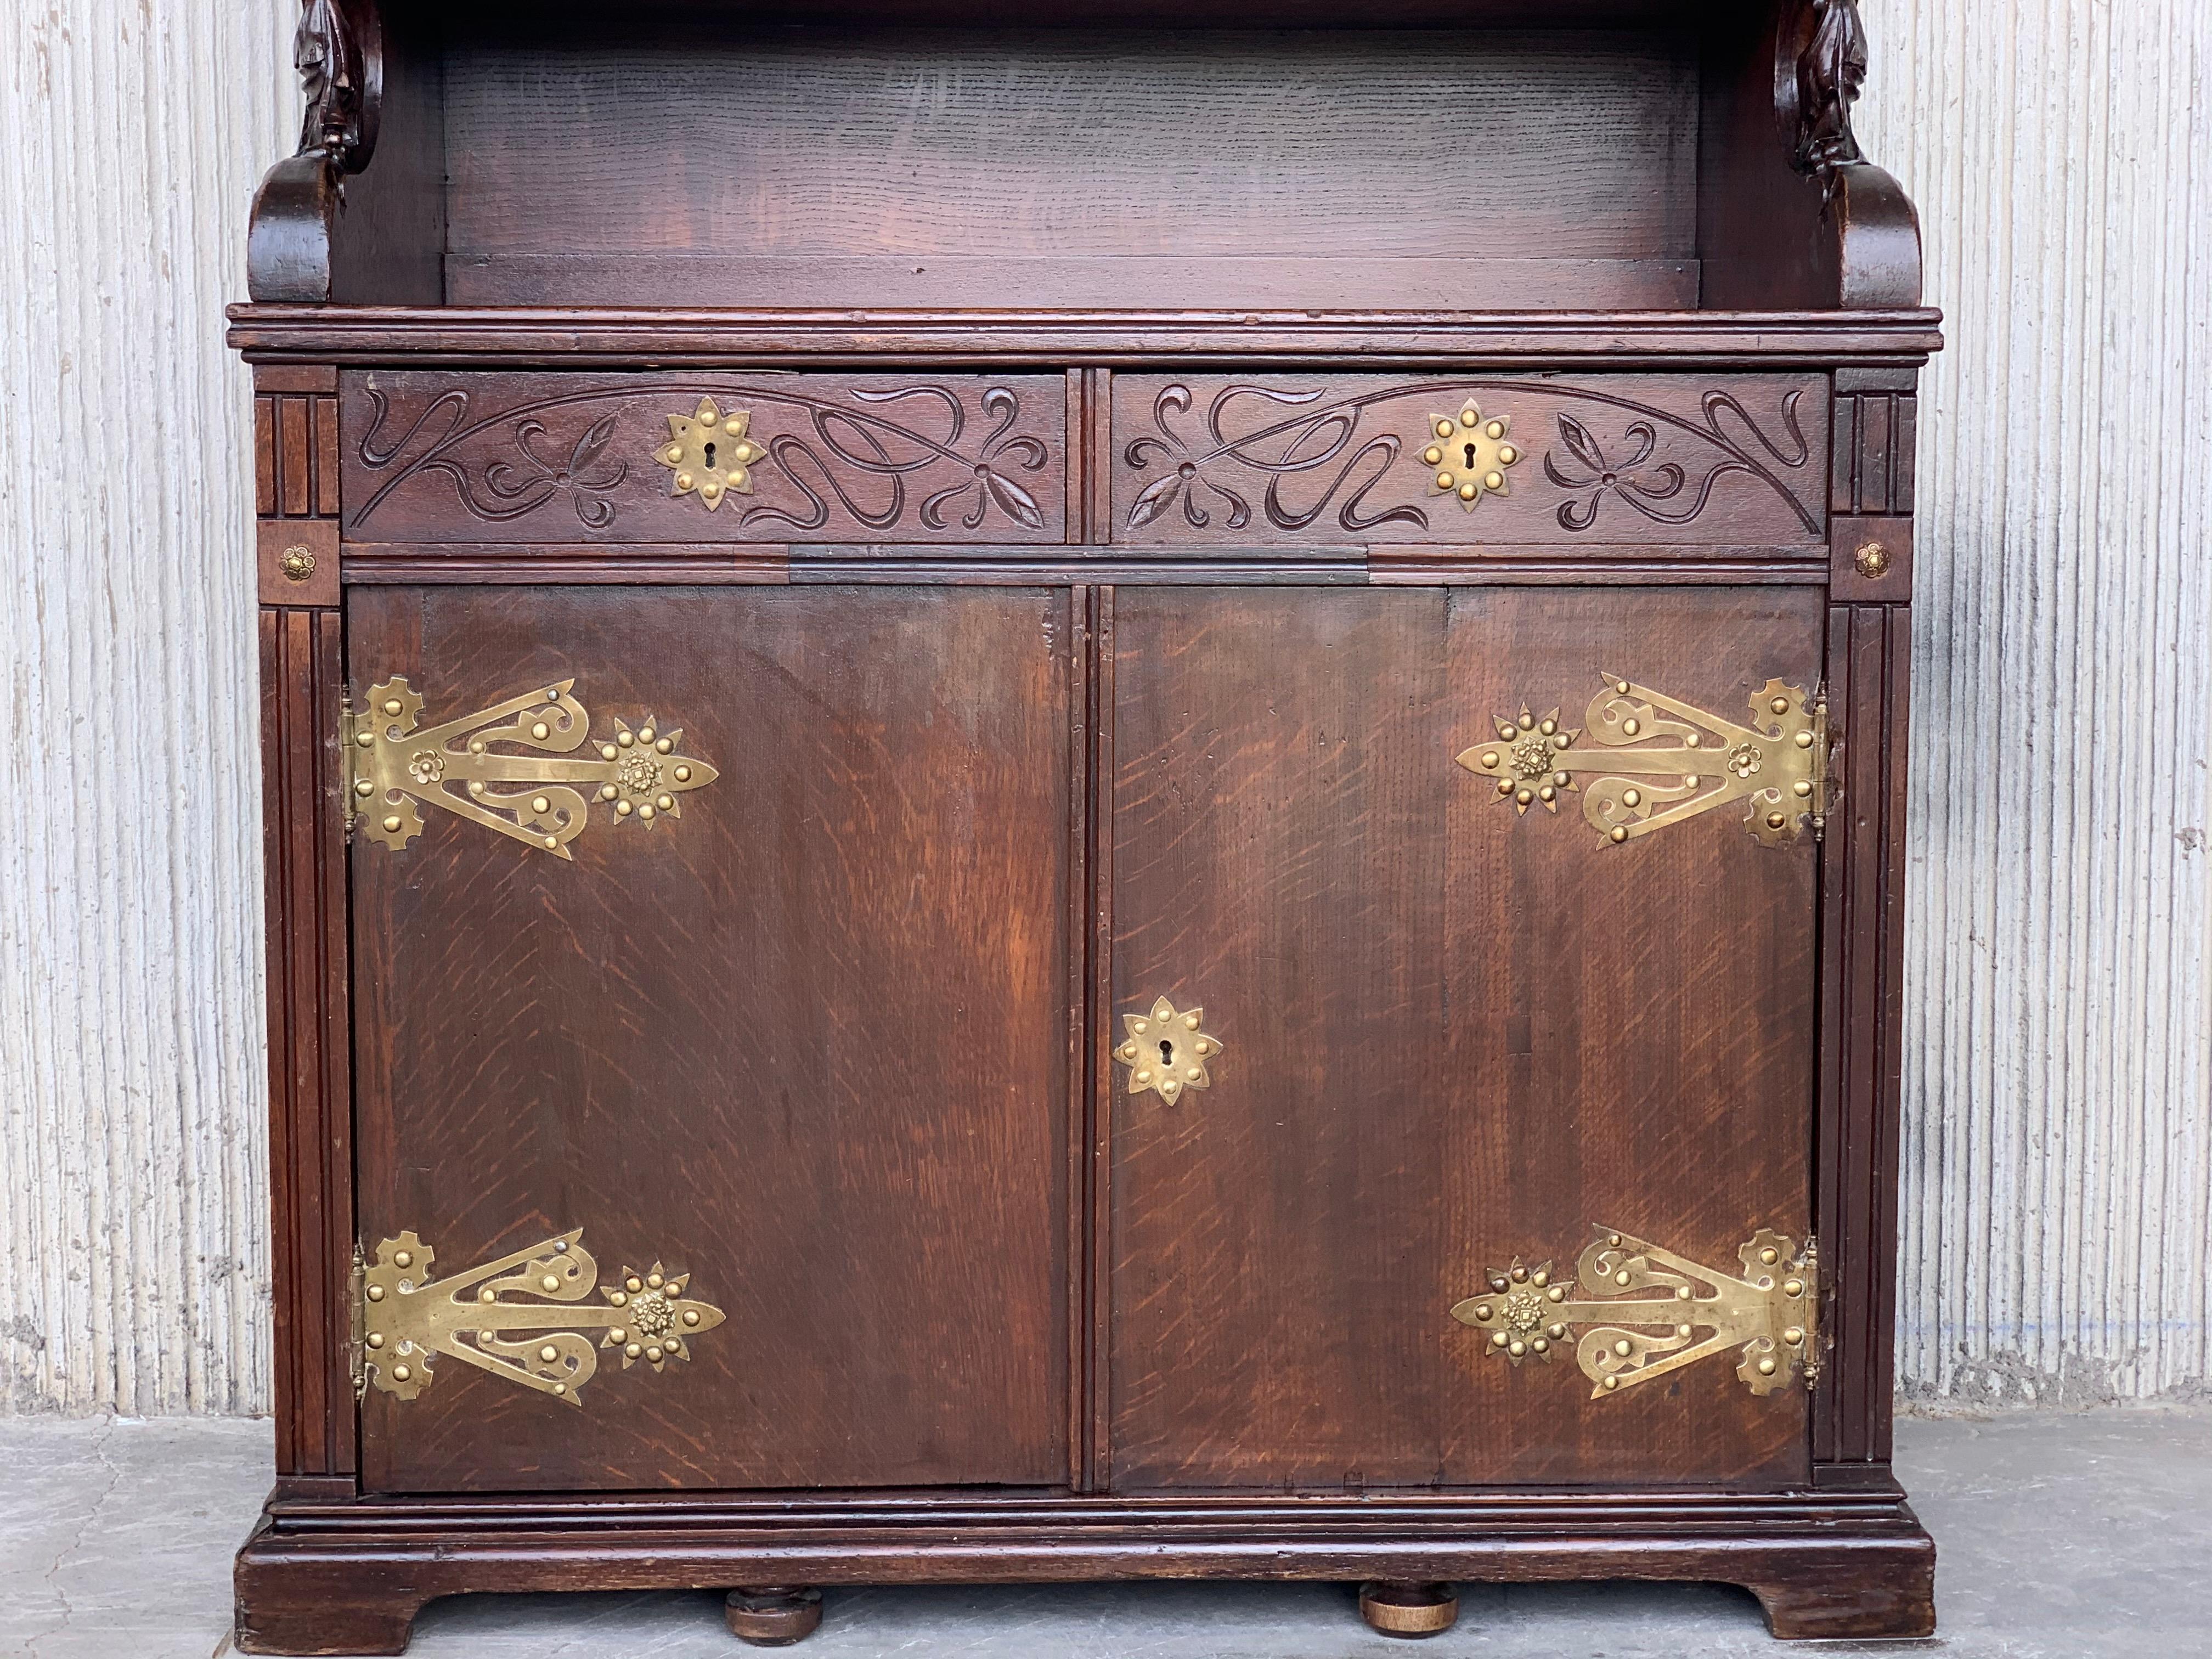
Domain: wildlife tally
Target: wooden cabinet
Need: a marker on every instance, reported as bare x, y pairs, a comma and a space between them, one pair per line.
1102, 802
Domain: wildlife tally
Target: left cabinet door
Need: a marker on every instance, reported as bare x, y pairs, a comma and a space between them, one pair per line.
803, 1040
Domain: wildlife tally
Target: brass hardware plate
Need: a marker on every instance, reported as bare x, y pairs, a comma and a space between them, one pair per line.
1657, 761
1650, 1312
1470, 454
405, 1319
1167, 1051
501, 767
1872, 560
708, 451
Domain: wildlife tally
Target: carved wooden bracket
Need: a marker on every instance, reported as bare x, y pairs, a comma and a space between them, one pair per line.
1820, 65
338, 50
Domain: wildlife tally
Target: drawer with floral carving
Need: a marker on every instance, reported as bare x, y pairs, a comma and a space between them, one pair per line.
702, 457
1471, 458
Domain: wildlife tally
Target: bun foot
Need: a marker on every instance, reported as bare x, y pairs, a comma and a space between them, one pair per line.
773, 1618
1409, 1610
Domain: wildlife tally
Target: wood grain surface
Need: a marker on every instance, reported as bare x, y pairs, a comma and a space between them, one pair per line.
1062, 168
1658, 460
807, 1043
538, 457
1451, 1035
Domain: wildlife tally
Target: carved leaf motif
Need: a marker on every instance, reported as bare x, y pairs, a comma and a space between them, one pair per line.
1158, 497
593, 444
1014, 501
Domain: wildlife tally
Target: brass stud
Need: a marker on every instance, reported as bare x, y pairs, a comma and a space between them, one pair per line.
297, 563
1528, 722
633, 1283
392, 825
1612, 1382
1793, 1287
551, 841
1770, 1256
549, 1353
1804, 739
1793, 1336
1500, 1340
1494, 481
1621, 1279
1444, 429
646, 736
1540, 1278
1517, 1347
1482, 1310
364, 787
655, 1280
1681, 1330
1143, 1074
376, 1294
1557, 1293
619, 1298
392, 705
608, 792
1619, 833
1206, 1045
690, 1316
1549, 727
1509, 454
540, 804
1557, 1332
1548, 793
559, 1387
665, 803
1498, 1282
1872, 560
683, 482
1541, 1346
1691, 781
1681, 1293
665, 745
653, 1354
1522, 796
400, 1373
1194, 1074
1766, 1368
1561, 779
608, 751
487, 1294
1775, 820
404, 1259
1140, 1026
1190, 1021
1622, 686
1433, 456
1631, 726
624, 739
1520, 1273
632, 1350
644, 813
1444, 481
621, 809
541, 730
1623, 1348
1467, 492
1801, 787
1126, 1051
1780, 705
1692, 740
619, 1334
683, 775
1505, 787
549, 1284
376, 1339
734, 426
1631, 797
1495, 429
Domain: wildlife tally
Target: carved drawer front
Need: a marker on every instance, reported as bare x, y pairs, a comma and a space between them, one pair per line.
1490, 459
710, 456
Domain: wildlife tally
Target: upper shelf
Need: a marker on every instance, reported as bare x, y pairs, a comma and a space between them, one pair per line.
1651, 159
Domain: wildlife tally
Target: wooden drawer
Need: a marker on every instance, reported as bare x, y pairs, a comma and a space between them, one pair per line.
1562, 462
555, 458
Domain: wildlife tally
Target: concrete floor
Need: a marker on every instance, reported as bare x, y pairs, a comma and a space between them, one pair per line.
2059, 1537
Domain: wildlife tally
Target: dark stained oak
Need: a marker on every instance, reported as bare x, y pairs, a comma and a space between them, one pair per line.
1094, 632
802, 1043
1451, 1036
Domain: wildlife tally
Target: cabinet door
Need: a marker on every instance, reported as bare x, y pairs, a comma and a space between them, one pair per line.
806, 1042
1451, 1033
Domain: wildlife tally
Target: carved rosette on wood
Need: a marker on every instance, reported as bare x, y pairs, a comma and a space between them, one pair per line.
1655, 760
517, 1317
1650, 1312
505, 767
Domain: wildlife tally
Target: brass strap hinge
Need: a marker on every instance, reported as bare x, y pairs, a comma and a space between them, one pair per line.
523, 1318
527, 768
358, 1328
1644, 1311
1642, 760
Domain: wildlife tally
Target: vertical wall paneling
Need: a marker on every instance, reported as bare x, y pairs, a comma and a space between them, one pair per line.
133, 1146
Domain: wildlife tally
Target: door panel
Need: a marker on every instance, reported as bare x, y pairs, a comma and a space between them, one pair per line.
1451, 1035
808, 1043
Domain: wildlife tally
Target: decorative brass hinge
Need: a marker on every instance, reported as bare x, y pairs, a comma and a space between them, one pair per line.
403, 1319
498, 768
1663, 762
1654, 1318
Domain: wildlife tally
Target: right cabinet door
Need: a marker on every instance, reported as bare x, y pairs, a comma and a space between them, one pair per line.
1448, 1030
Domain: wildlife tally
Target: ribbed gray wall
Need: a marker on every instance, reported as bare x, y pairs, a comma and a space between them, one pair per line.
2057, 1209
2059, 1143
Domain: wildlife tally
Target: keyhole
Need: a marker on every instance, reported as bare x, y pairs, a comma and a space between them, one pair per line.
1468, 448
710, 456
1167, 1053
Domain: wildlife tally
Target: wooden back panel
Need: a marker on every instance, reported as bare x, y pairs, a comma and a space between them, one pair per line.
1466, 168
